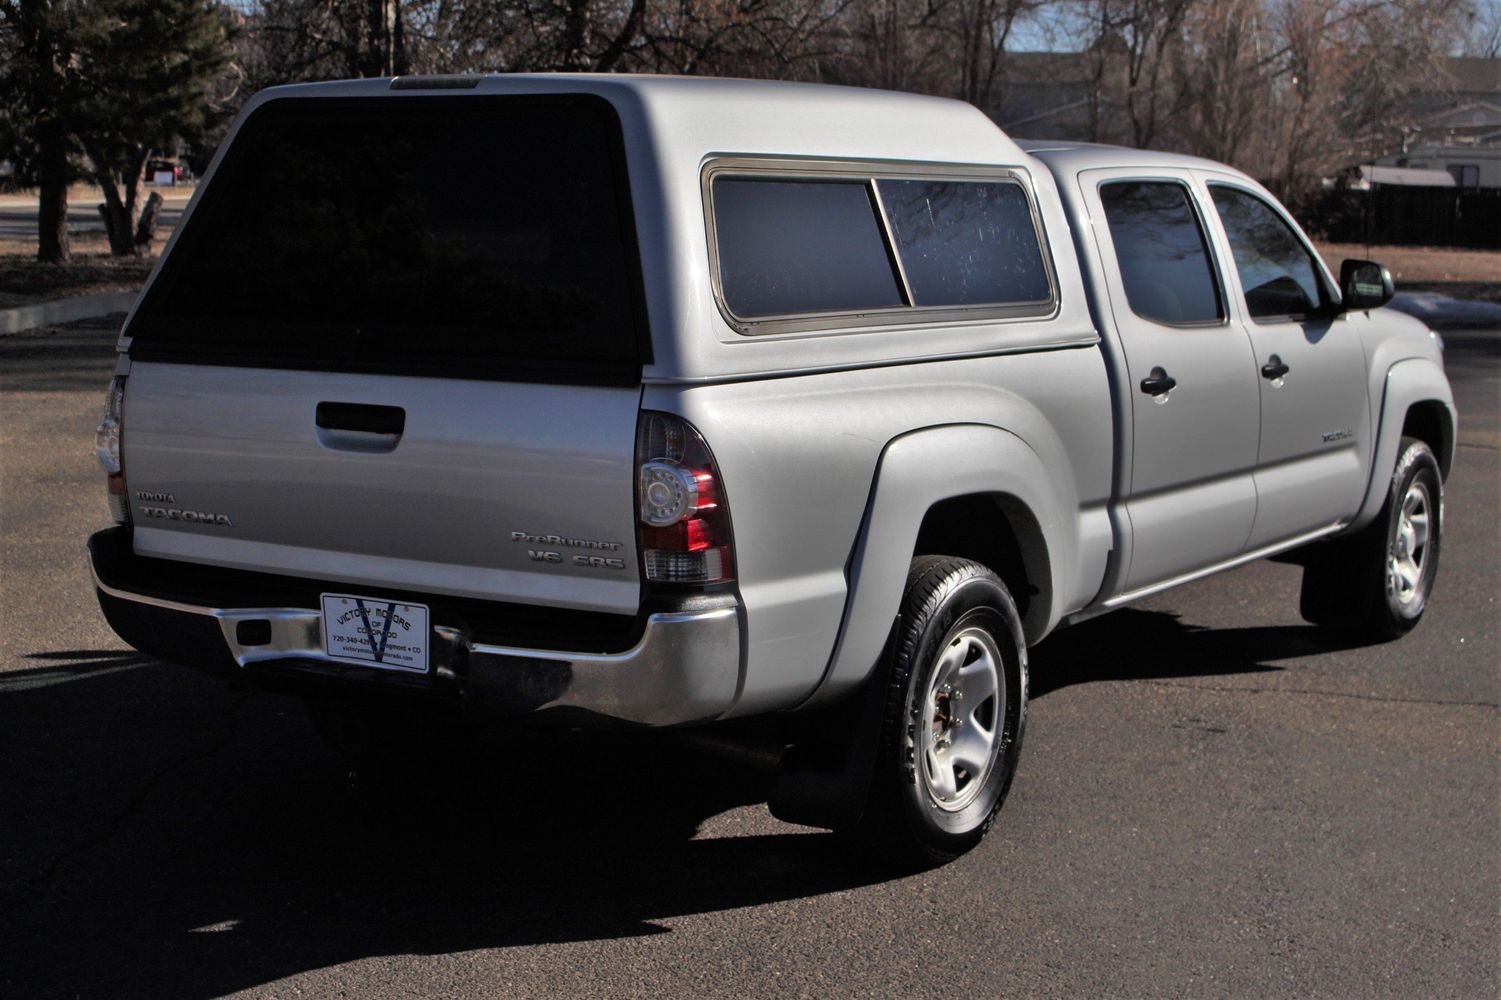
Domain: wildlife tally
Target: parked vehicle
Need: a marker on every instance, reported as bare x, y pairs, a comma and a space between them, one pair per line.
165, 172
673, 402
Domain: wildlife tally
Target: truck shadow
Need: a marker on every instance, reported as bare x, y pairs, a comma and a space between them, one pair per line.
162, 835
1140, 645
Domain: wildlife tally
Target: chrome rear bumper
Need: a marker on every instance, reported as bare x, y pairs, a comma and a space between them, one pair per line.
684, 668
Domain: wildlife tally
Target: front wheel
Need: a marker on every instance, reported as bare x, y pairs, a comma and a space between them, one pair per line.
1376, 584
956, 704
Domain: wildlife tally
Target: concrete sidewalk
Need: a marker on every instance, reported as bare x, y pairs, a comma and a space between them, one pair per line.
41, 314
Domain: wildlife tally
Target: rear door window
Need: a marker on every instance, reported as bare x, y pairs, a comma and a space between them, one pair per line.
1163, 254
1277, 273
464, 236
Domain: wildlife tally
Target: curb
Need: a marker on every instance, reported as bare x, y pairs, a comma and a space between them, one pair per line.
25, 318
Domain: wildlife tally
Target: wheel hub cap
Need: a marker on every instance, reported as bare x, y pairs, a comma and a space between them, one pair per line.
1409, 551
961, 724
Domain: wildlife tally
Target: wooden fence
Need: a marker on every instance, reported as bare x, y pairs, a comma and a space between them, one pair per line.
1410, 216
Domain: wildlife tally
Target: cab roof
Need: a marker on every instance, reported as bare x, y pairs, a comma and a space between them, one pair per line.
1072, 157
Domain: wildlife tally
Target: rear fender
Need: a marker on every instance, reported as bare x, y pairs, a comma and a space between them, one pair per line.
917, 471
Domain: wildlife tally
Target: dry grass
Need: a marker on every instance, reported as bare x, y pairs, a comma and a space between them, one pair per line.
1421, 264
89, 195
1459, 274
23, 281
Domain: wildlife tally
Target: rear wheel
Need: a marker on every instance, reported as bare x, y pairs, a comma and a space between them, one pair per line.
954, 714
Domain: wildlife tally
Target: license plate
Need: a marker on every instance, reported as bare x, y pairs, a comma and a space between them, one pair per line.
375, 632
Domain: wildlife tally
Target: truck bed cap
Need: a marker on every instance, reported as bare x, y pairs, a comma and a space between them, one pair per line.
693, 117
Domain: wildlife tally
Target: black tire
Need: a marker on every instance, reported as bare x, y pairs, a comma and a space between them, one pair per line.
953, 612
1375, 585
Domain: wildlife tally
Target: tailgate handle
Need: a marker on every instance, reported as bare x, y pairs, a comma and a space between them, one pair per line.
362, 417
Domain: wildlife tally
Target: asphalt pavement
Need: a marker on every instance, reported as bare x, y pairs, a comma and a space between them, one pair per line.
1214, 800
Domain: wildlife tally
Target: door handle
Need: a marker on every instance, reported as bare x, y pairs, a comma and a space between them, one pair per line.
1158, 382
361, 417
1274, 368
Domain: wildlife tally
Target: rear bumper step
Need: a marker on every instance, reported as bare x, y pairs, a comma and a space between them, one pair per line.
683, 667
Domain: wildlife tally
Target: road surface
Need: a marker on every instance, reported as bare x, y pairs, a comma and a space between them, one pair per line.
1213, 800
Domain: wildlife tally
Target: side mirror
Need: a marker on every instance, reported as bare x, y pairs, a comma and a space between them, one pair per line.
1364, 284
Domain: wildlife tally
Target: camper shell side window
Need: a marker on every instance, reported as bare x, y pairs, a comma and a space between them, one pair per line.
820, 246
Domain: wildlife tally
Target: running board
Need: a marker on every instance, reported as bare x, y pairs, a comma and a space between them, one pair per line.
1240, 560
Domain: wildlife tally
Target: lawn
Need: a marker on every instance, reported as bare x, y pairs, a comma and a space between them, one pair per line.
1460, 274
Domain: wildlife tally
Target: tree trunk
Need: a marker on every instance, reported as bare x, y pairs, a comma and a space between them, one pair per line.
146, 228
616, 49
122, 196
52, 215
384, 53
131, 180
51, 134
116, 222
576, 35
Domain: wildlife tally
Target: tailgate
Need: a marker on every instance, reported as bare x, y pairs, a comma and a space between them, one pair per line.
398, 344
505, 491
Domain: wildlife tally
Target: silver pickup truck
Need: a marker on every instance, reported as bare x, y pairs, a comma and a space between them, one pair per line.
678, 402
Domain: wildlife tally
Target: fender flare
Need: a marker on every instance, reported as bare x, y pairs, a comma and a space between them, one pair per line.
916, 471
1407, 383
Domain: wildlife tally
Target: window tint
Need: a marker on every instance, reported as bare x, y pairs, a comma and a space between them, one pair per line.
1163, 256
966, 242
800, 246
1278, 275
408, 235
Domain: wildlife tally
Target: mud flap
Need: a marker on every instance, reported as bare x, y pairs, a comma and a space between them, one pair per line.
828, 782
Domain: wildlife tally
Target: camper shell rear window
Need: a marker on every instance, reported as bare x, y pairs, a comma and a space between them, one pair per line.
462, 236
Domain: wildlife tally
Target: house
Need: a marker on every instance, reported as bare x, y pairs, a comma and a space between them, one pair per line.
1455, 125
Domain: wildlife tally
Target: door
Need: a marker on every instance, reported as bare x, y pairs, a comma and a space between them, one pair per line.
1194, 403
1311, 366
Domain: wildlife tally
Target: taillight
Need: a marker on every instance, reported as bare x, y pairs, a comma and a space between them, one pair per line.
107, 448
684, 529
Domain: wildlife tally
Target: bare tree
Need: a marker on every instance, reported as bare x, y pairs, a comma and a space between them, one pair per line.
1482, 33
1228, 70
890, 44
1152, 30
1285, 89
778, 39
979, 31
1136, 62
